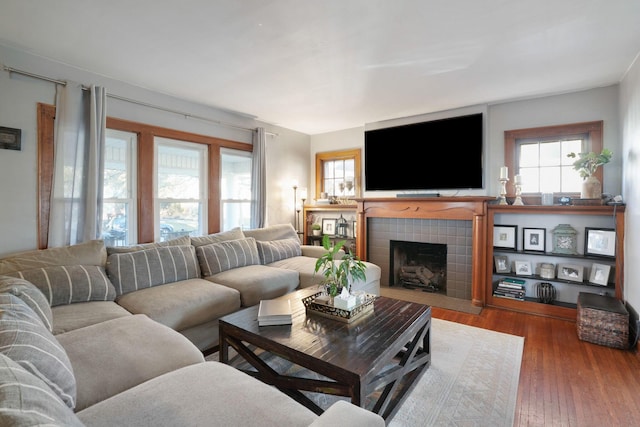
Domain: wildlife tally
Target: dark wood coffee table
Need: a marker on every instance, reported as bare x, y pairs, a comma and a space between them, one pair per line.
374, 361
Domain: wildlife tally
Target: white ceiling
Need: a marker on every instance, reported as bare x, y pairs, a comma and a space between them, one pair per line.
320, 66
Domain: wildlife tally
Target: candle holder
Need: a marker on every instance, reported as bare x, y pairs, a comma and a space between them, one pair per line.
503, 191
518, 201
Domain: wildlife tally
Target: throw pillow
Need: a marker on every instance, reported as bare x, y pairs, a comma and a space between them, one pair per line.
26, 341
133, 271
275, 250
31, 295
178, 241
71, 283
25, 400
233, 234
223, 256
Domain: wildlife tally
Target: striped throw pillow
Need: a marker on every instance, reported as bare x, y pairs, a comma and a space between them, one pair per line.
26, 341
31, 295
275, 250
25, 400
70, 283
133, 271
223, 256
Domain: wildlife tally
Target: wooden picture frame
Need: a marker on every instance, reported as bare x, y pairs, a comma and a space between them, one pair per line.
600, 274
502, 264
10, 138
329, 226
534, 239
523, 268
600, 242
571, 272
505, 237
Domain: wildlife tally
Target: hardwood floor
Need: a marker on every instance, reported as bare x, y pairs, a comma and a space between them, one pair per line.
564, 381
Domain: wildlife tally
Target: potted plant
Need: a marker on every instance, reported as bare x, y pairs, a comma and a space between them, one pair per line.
339, 272
587, 164
316, 229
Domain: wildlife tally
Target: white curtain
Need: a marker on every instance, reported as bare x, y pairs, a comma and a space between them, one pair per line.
80, 126
258, 179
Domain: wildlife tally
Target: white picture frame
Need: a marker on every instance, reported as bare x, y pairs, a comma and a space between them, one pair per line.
505, 237
329, 226
522, 268
599, 274
600, 242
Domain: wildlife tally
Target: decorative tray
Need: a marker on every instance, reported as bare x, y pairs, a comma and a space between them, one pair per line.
318, 303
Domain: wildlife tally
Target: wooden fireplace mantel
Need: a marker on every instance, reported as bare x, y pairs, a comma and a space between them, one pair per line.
469, 208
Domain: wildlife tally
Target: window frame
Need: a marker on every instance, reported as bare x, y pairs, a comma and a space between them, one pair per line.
593, 130
354, 154
145, 170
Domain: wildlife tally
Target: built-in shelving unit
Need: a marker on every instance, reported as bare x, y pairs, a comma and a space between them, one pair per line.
547, 217
316, 213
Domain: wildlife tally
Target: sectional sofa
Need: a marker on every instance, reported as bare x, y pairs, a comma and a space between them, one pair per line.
96, 336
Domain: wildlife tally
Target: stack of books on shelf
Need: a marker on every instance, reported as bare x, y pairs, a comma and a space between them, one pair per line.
274, 312
510, 288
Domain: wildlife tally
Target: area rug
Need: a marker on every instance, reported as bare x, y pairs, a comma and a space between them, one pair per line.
472, 380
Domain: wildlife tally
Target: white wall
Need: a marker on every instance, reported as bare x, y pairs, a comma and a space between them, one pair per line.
630, 136
287, 152
584, 106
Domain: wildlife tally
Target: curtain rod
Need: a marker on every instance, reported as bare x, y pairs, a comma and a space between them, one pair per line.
133, 101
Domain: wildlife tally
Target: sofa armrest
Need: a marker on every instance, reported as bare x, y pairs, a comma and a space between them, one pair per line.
317, 251
343, 413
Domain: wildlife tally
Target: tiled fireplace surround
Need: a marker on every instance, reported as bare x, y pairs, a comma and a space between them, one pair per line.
456, 234
459, 222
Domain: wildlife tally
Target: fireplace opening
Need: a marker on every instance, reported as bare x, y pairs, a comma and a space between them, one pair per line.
418, 265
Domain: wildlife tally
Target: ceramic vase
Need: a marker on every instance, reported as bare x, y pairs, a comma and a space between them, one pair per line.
591, 188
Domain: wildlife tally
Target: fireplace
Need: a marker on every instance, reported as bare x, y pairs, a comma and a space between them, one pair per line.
418, 265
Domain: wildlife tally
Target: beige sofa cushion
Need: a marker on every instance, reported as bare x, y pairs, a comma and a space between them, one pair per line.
178, 241
66, 284
257, 282
89, 253
25, 400
223, 236
203, 394
143, 269
182, 304
31, 295
111, 357
80, 314
217, 257
29, 343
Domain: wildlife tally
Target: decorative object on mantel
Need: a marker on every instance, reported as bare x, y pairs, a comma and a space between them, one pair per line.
339, 272
517, 183
504, 178
565, 240
546, 292
587, 164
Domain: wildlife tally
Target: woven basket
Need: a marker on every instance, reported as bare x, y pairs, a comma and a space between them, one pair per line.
603, 320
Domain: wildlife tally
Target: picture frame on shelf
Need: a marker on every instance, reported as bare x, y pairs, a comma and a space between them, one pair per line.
505, 237
599, 274
534, 239
571, 272
329, 226
600, 242
502, 264
522, 268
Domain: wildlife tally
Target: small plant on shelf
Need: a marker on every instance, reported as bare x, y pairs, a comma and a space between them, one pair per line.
315, 229
339, 272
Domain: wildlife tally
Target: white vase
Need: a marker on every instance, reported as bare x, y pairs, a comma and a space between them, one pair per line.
591, 188
316, 232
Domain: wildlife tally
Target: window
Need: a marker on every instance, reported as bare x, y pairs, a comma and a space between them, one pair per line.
338, 173
539, 156
181, 189
119, 221
235, 188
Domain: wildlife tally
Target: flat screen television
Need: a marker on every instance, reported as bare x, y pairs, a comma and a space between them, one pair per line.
444, 154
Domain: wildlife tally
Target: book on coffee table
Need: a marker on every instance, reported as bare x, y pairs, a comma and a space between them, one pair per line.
274, 312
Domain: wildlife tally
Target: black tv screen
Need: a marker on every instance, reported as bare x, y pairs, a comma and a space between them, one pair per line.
443, 154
